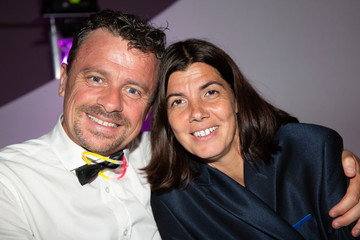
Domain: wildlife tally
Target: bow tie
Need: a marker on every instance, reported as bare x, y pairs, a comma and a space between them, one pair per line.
89, 172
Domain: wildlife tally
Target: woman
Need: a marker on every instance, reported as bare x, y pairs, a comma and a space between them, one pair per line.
226, 164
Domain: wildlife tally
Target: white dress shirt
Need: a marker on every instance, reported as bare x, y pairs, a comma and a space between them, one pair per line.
41, 197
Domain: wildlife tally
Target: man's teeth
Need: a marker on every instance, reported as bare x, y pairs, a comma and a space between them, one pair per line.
205, 132
101, 122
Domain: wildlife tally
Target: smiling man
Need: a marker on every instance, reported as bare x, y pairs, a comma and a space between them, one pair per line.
79, 180
107, 92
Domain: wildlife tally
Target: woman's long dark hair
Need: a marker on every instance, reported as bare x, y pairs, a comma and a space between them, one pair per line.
171, 165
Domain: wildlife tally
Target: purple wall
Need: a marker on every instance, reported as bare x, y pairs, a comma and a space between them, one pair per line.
302, 55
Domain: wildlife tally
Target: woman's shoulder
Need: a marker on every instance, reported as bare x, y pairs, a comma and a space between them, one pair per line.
307, 131
303, 142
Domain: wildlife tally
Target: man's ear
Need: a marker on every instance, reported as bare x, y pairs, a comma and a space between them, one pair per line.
63, 79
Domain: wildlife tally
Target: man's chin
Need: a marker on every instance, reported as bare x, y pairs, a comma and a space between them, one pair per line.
104, 148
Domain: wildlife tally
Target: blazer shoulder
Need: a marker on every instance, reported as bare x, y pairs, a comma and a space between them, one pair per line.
307, 131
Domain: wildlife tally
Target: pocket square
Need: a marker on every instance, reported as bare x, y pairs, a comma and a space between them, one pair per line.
302, 221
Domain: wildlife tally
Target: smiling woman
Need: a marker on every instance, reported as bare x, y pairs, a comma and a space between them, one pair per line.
226, 164
202, 113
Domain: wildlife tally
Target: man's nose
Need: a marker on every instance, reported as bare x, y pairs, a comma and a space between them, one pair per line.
111, 99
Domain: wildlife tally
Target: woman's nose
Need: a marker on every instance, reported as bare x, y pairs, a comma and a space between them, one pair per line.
198, 112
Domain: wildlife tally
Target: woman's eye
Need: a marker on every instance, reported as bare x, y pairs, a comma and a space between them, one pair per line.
177, 102
211, 92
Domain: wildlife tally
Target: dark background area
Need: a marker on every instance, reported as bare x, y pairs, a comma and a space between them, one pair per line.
26, 58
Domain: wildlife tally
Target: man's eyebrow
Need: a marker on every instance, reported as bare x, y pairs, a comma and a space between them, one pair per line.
139, 84
94, 70
105, 73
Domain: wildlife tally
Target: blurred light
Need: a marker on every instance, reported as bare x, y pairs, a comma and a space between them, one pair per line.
64, 47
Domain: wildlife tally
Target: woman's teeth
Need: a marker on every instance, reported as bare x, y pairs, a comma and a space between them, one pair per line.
205, 132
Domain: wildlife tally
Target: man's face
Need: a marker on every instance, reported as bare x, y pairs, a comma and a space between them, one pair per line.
106, 93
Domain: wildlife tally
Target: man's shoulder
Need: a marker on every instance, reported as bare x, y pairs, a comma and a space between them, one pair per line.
140, 150
25, 152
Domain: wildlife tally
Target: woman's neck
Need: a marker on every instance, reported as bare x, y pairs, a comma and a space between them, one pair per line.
231, 166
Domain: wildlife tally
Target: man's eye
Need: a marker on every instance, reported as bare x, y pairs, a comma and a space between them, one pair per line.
96, 79
133, 93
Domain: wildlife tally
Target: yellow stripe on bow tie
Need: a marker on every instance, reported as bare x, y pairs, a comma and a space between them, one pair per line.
122, 162
98, 156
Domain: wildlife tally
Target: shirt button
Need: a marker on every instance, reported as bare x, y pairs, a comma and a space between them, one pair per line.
107, 189
125, 232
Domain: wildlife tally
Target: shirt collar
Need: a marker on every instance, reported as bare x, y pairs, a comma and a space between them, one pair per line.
69, 153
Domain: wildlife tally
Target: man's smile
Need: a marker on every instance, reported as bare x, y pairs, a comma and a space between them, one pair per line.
101, 122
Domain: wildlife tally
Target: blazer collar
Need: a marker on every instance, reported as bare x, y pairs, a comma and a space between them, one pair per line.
244, 204
261, 181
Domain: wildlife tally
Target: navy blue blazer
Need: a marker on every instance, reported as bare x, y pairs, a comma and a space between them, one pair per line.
289, 198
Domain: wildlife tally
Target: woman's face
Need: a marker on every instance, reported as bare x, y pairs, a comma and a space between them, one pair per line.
202, 112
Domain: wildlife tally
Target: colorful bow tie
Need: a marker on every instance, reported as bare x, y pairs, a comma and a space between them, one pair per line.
89, 172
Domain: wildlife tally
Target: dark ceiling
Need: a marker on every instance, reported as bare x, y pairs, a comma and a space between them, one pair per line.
26, 61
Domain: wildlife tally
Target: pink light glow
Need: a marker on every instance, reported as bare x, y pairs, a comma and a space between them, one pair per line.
64, 47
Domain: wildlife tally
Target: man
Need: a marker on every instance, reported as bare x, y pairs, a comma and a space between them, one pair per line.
108, 87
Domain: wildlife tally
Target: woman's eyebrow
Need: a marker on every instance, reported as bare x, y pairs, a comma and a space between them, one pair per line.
211, 83
201, 88
174, 95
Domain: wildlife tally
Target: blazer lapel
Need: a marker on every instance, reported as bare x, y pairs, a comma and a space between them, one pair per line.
260, 180
234, 198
